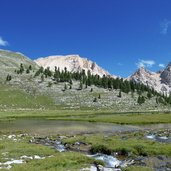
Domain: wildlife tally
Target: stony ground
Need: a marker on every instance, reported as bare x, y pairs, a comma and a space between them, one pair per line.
85, 98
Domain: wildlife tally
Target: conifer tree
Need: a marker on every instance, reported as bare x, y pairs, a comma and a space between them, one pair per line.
81, 85
8, 78
21, 68
65, 87
149, 95
99, 97
30, 67
27, 71
42, 78
120, 94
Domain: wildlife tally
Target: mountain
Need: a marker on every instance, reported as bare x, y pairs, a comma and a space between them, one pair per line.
166, 75
72, 63
160, 81
37, 89
11, 61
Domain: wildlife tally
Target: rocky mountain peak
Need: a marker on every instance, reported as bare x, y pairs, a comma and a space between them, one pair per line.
160, 81
169, 67
166, 75
142, 75
72, 63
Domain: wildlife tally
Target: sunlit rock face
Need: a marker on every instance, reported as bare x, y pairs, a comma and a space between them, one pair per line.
73, 63
160, 81
166, 75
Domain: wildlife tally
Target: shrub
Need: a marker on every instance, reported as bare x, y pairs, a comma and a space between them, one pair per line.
140, 150
100, 149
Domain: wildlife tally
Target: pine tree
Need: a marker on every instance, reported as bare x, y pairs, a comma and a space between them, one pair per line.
120, 94
27, 71
81, 85
95, 99
49, 84
42, 78
21, 68
99, 97
30, 67
139, 100
47, 72
86, 84
149, 95
8, 78
65, 87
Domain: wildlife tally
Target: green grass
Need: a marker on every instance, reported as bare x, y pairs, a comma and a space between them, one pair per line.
88, 116
57, 161
130, 143
22, 147
74, 161
60, 162
138, 168
134, 119
13, 98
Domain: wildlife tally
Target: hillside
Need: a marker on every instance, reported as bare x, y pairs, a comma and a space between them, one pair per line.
62, 89
11, 61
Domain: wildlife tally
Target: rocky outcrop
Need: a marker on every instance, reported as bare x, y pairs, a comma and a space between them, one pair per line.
72, 63
166, 75
160, 81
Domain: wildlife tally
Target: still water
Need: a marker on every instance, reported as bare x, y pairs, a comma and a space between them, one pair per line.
49, 127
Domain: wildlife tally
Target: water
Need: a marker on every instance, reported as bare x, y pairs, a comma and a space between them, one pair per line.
162, 139
109, 161
50, 127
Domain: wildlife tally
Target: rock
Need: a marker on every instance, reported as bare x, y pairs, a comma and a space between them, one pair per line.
160, 81
73, 63
159, 163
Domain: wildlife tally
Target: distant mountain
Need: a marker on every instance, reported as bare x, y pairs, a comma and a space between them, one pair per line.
166, 75
160, 81
72, 63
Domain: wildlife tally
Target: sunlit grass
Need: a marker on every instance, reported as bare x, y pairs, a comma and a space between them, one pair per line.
136, 145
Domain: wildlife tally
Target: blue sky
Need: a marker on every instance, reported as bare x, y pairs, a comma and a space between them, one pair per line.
118, 34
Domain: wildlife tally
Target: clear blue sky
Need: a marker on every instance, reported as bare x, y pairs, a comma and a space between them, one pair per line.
117, 34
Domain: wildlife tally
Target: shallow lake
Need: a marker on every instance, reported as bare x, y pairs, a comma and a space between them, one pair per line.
49, 127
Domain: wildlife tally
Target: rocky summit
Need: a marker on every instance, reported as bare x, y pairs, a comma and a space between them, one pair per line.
73, 63
160, 81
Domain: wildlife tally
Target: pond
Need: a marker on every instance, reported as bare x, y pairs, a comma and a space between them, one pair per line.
50, 127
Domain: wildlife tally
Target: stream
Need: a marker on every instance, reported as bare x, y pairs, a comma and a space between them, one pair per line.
44, 128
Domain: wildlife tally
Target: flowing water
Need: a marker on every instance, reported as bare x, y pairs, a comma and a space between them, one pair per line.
43, 127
